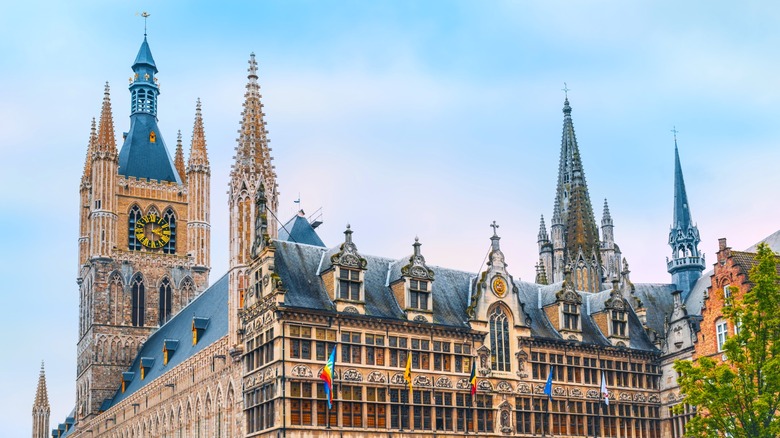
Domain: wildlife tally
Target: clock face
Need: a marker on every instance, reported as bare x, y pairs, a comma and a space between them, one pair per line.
152, 231
499, 286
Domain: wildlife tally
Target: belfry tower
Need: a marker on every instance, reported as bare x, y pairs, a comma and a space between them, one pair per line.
687, 262
144, 236
574, 235
253, 201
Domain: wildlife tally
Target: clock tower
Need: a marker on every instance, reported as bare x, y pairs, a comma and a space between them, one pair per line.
144, 236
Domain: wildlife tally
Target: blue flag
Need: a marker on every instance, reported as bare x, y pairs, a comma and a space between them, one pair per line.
548, 385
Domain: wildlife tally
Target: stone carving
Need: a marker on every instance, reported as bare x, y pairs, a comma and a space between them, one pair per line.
640, 397
484, 385
376, 377
575, 392
503, 386
352, 375
539, 389
351, 309
443, 382
559, 392
484, 363
671, 398
624, 396
421, 381
592, 393
301, 371
348, 255
416, 267
505, 418
523, 388
398, 379
463, 384
654, 398
522, 358
420, 318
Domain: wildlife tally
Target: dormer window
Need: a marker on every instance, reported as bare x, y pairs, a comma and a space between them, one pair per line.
418, 294
619, 323
571, 316
349, 284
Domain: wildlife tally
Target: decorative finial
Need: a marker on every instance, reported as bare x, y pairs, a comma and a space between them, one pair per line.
565, 89
145, 15
495, 227
252, 67
675, 131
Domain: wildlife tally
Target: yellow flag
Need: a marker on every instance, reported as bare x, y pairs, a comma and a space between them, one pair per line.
408, 371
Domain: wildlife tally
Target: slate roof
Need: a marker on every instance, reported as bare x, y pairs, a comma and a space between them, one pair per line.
144, 56
299, 267
211, 304
299, 230
141, 158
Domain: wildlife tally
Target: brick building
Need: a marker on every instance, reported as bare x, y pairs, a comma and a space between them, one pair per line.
163, 353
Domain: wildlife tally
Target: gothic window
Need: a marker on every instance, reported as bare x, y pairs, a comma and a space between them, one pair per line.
571, 316
166, 297
132, 242
721, 329
418, 294
349, 284
115, 299
499, 340
170, 217
187, 292
619, 322
138, 301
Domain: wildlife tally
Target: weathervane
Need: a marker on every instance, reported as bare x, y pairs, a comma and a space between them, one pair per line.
565, 89
145, 15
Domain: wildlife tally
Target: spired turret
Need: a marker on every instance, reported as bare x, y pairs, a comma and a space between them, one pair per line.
198, 177
687, 262
41, 409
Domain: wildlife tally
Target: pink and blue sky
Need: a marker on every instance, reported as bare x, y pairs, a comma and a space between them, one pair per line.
403, 118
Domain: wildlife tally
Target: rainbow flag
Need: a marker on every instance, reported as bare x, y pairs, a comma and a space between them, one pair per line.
473, 377
327, 376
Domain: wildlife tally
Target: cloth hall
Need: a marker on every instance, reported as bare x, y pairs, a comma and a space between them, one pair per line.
166, 349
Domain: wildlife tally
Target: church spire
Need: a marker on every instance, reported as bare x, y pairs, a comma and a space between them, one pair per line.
178, 159
574, 234
87, 175
198, 153
106, 141
41, 408
687, 262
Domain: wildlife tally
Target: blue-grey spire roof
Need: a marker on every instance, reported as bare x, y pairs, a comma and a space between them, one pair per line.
682, 212
143, 154
144, 56
299, 230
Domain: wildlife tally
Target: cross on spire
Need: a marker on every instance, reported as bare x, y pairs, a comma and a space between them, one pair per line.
675, 131
495, 227
566, 90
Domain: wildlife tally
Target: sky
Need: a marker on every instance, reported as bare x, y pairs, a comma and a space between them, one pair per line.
401, 118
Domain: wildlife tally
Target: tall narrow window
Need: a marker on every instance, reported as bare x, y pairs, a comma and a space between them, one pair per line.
499, 340
721, 329
170, 217
619, 322
138, 301
115, 294
166, 297
418, 294
132, 242
571, 316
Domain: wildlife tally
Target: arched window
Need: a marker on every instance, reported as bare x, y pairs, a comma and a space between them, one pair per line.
499, 340
166, 298
187, 292
138, 301
170, 217
132, 243
115, 299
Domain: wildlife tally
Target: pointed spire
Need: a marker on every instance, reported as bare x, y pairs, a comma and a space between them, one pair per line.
253, 154
682, 214
348, 254
416, 267
606, 218
144, 56
178, 159
542, 237
198, 152
90, 150
41, 393
106, 140
541, 274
